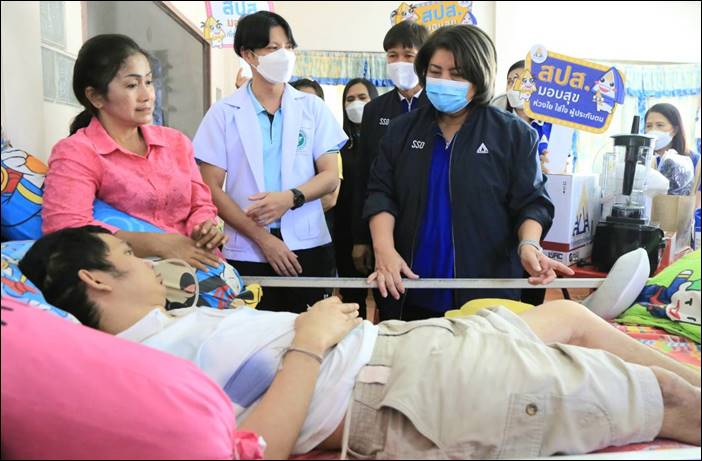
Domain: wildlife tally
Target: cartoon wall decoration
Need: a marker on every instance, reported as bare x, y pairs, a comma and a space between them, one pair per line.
434, 14
221, 18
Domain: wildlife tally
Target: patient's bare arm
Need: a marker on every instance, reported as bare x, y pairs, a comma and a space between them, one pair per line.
281, 413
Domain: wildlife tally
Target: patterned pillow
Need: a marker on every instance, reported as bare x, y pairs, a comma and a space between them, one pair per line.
671, 300
17, 286
21, 197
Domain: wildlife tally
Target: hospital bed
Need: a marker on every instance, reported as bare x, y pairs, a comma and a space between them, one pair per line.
681, 349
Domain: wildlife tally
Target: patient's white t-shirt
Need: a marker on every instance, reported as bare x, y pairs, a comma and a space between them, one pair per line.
241, 349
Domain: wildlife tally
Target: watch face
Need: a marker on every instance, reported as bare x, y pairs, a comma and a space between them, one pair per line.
298, 199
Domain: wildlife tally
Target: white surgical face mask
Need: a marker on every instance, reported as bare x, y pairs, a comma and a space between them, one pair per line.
402, 75
514, 100
663, 138
355, 111
276, 67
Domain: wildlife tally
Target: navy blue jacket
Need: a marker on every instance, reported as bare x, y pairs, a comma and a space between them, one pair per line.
495, 184
377, 115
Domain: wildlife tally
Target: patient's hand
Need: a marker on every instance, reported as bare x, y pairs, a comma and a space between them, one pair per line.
182, 247
541, 268
325, 324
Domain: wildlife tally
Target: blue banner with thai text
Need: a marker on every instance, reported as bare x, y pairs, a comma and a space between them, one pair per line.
569, 91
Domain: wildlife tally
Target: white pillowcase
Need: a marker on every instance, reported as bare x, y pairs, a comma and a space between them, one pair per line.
622, 286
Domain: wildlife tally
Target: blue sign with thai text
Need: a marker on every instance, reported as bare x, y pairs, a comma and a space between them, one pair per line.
569, 91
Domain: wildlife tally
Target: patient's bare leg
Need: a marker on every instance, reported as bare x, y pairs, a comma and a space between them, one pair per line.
568, 322
681, 407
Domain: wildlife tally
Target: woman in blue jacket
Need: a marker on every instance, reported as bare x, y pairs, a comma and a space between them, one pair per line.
457, 189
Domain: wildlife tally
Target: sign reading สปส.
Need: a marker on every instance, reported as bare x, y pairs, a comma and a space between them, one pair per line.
569, 91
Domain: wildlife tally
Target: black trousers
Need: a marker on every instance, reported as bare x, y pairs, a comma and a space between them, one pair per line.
315, 262
533, 296
343, 245
411, 312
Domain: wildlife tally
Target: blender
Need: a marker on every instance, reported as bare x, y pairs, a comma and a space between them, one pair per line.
626, 226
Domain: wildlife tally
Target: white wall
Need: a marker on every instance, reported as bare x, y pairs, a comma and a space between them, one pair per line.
352, 26
22, 98
605, 31
30, 122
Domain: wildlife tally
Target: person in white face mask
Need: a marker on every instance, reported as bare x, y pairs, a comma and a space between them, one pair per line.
401, 44
277, 149
358, 93
663, 122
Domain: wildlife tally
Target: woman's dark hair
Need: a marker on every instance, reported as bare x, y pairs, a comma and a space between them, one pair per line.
53, 263
521, 64
672, 114
474, 55
308, 83
372, 93
98, 61
407, 34
253, 31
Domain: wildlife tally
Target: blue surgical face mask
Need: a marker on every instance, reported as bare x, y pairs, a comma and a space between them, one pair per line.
447, 96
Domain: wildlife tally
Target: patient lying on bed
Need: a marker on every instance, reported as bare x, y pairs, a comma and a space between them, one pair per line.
556, 379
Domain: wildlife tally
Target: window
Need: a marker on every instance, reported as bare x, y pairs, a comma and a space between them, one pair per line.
57, 64
181, 56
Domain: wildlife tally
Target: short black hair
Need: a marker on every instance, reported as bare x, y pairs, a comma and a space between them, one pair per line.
407, 34
253, 31
308, 83
53, 263
474, 55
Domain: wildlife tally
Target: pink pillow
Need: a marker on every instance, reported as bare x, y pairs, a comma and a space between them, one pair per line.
70, 392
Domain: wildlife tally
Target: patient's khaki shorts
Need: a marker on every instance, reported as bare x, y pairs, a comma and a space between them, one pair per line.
486, 387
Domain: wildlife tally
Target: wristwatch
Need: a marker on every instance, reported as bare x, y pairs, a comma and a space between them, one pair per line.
533, 243
298, 199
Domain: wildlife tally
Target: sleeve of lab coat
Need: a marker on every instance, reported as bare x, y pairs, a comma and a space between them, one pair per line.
209, 142
328, 135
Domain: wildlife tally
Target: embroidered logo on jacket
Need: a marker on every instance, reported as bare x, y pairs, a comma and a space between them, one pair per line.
482, 149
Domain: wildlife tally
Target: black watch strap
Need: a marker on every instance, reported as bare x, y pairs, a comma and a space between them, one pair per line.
298, 199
